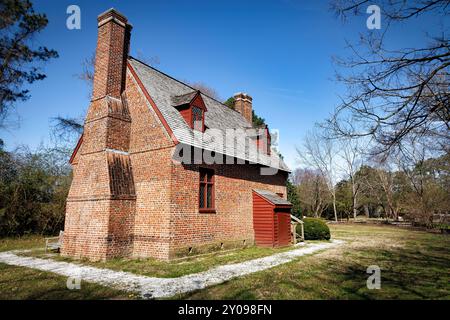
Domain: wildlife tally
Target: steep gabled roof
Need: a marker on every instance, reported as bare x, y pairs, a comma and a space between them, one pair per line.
163, 89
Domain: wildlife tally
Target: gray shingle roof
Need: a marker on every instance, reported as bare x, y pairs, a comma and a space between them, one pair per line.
164, 89
272, 197
183, 99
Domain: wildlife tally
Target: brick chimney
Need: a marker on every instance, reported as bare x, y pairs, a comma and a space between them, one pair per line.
101, 202
113, 45
243, 105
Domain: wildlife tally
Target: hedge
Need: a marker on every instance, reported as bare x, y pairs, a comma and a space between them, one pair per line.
315, 229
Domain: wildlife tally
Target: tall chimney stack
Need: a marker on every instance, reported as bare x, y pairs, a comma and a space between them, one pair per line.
113, 45
102, 200
243, 105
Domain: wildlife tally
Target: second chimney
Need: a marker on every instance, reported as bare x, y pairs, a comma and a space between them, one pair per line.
243, 105
111, 56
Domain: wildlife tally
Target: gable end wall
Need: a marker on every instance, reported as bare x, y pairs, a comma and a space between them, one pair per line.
150, 152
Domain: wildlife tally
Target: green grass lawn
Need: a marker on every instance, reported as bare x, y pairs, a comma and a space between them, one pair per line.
22, 243
17, 283
25, 283
414, 265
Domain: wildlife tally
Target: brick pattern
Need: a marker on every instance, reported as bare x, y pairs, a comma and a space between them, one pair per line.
120, 175
111, 54
243, 105
233, 219
150, 152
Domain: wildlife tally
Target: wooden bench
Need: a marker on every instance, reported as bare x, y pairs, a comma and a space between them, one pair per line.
54, 243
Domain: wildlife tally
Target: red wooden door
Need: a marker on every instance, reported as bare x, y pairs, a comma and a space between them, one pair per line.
284, 228
263, 222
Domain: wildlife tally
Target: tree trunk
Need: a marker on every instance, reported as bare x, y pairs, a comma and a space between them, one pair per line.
355, 212
366, 210
334, 207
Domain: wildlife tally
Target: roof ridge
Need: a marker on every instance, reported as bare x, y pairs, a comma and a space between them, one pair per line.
185, 94
169, 76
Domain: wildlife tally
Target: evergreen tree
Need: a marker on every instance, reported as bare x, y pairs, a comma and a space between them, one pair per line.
18, 25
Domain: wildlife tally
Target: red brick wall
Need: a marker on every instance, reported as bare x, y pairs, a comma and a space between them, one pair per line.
233, 220
85, 230
150, 152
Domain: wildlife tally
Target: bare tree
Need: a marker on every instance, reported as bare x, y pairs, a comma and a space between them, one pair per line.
378, 188
68, 129
318, 153
88, 64
352, 156
386, 180
87, 73
411, 161
204, 88
150, 60
395, 93
313, 189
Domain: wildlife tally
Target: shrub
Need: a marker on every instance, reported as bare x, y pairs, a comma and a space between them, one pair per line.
445, 228
315, 229
33, 191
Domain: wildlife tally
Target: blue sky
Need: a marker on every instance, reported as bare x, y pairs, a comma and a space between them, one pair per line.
277, 51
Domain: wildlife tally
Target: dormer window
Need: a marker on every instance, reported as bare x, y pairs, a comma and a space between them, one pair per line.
263, 140
192, 108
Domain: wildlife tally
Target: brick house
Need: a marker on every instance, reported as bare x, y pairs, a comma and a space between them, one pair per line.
140, 188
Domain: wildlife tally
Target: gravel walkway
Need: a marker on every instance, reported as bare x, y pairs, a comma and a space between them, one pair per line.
151, 287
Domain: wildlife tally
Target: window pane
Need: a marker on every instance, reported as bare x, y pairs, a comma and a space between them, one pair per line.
197, 115
198, 125
202, 196
209, 177
209, 196
202, 176
197, 112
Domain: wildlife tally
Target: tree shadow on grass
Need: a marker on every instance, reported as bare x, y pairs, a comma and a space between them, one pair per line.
415, 271
406, 273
